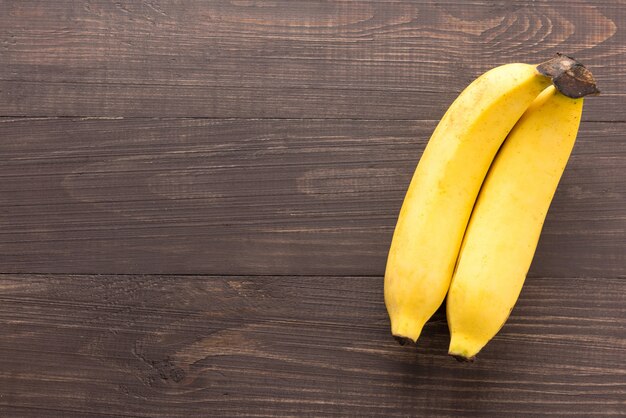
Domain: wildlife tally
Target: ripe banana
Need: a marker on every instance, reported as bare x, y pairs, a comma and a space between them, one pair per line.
444, 188
506, 222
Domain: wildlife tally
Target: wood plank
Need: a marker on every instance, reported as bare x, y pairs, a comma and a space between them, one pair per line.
298, 59
317, 197
166, 346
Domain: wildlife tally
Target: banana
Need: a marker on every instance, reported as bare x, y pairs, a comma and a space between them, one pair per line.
506, 222
443, 190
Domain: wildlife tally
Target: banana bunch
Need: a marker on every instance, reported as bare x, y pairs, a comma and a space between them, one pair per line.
472, 216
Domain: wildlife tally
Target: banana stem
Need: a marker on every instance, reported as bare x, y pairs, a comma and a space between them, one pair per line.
569, 76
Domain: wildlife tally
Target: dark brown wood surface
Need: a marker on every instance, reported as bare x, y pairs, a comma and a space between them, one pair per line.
197, 197
180, 346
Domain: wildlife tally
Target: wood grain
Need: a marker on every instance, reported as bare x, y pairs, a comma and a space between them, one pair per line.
197, 198
259, 197
283, 58
166, 346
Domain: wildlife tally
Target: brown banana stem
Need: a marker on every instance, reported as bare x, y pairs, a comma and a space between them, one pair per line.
569, 76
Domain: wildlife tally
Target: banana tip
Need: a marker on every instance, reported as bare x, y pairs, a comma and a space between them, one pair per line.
463, 359
403, 340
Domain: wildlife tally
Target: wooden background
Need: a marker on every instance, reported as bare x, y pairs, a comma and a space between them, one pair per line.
197, 197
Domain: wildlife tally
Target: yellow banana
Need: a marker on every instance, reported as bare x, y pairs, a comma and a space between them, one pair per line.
506, 222
444, 188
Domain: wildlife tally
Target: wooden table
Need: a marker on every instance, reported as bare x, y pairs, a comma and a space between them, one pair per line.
197, 198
